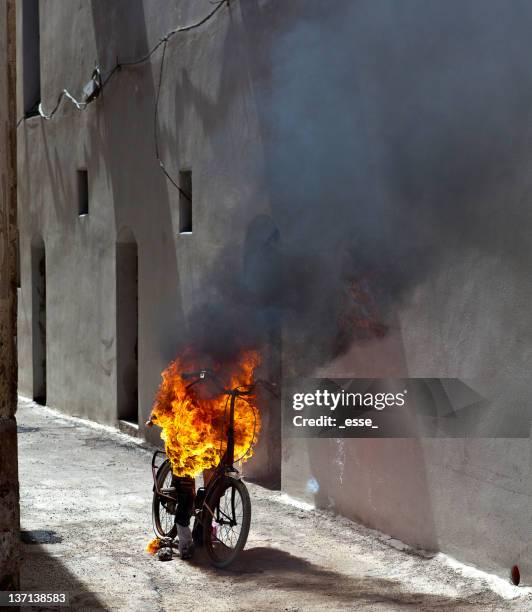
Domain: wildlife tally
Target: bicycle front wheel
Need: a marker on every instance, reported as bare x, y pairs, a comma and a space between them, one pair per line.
226, 521
163, 510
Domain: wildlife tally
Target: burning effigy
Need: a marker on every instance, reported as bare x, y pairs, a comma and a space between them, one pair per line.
193, 420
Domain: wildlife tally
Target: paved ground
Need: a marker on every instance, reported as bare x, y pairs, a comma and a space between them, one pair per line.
86, 495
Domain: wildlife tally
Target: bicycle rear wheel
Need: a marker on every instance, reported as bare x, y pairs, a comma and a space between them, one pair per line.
226, 521
163, 511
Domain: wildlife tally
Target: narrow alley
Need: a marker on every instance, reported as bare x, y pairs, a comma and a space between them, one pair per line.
86, 519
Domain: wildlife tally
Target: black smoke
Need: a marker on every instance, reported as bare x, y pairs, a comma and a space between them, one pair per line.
395, 133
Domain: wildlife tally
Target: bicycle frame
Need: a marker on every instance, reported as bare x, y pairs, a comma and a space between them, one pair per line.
228, 458
226, 463
225, 466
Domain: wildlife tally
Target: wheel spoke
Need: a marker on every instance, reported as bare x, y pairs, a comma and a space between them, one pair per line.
228, 525
164, 516
229, 508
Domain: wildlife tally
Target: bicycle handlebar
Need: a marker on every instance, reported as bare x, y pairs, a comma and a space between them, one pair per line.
203, 375
190, 375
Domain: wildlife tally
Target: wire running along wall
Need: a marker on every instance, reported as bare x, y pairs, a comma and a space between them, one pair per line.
97, 84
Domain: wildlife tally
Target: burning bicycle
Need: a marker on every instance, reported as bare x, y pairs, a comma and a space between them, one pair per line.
221, 509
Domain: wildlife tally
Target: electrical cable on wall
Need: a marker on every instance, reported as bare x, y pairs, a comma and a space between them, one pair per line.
156, 130
95, 86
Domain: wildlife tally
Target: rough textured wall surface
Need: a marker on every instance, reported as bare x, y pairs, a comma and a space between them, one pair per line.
410, 128
9, 496
435, 105
207, 122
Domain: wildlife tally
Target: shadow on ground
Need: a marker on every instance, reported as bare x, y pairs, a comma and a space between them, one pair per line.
40, 536
43, 572
275, 569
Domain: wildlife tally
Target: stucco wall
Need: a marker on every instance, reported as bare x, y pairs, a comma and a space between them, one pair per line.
227, 86
207, 122
444, 129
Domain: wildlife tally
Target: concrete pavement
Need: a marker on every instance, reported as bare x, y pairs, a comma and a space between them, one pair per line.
86, 519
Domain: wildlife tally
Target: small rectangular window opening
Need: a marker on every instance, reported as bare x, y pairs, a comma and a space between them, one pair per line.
31, 57
83, 192
185, 201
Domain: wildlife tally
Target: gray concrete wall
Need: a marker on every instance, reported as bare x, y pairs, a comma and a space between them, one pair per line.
207, 123
234, 109
446, 159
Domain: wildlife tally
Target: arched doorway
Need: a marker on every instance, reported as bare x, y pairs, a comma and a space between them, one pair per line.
38, 325
127, 328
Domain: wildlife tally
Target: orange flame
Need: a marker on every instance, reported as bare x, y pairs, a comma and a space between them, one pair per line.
153, 546
194, 427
